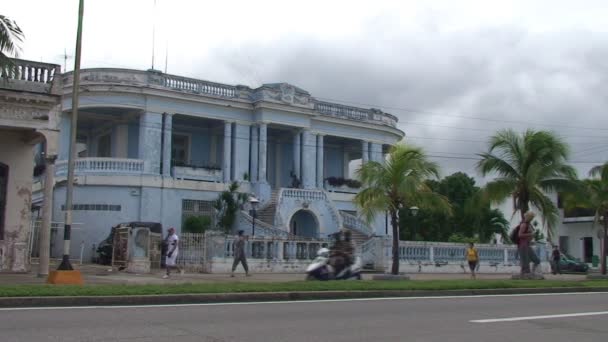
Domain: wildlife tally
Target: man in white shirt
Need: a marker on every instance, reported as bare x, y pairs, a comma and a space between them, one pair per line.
172, 242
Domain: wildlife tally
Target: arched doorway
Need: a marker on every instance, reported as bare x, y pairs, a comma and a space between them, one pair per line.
3, 189
304, 223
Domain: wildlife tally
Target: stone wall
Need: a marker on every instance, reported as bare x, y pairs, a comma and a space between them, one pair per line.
19, 157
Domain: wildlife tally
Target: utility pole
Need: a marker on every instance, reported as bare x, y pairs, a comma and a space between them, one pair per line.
65, 262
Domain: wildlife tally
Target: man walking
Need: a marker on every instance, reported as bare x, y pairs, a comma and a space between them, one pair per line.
526, 253
172, 242
472, 259
556, 256
239, 254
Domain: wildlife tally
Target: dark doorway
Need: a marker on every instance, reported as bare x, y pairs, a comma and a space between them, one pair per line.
304, 223
588, 249
3, 188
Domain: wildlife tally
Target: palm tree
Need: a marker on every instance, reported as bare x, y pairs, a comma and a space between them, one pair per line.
593, 194
397, 183
10, 35
529, 166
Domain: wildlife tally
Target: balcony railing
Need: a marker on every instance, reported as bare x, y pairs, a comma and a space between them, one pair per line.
159, 80
197, 173
357, 114
102, 166
30, 76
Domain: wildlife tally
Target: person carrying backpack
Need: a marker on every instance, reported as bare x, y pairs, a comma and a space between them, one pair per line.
525, 236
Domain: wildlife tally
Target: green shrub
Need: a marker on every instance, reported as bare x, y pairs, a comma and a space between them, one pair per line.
196, 224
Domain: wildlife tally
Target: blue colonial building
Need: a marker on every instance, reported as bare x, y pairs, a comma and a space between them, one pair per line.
159, 147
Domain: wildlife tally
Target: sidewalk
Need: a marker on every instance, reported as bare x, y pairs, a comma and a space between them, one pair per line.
98, 274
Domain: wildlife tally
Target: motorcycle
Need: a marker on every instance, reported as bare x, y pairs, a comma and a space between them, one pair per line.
321, 269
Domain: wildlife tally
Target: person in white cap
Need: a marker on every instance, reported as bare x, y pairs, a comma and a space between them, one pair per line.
172, 249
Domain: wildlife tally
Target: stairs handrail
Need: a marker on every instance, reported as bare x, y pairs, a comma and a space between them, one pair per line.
268, 229
355, 223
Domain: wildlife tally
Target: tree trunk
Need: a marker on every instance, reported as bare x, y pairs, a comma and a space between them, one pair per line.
395, 224
603, 245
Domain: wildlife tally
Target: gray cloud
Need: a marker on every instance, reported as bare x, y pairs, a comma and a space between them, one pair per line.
503, 73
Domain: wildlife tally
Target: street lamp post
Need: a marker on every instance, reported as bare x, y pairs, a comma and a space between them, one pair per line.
254, 203
414, 212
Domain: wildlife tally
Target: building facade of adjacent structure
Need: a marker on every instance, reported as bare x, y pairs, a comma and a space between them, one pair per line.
576, 232
156, 147
30, 105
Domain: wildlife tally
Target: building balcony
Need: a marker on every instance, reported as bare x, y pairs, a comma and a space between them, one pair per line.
102, 166
207, 174
349, 186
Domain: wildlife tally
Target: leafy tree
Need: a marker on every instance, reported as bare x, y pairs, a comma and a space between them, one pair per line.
227, 206
196, 224
472, 216
10, 36
593, 194
398, 183
528, 166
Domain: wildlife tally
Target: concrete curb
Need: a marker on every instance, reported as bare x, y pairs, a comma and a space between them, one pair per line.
63, 301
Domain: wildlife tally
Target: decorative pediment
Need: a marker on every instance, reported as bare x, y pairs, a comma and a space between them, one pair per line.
283, 93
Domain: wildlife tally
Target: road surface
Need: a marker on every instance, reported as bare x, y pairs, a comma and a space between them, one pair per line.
568, 317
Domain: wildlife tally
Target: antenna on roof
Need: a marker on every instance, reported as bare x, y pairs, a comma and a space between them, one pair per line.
166, 54
153, 33
65, 59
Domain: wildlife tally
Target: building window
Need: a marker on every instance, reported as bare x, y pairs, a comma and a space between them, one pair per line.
104, 146
3, 200
180, 145
197, 208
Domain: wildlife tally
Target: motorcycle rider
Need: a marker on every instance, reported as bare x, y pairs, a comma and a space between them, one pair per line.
341, 253
349, 248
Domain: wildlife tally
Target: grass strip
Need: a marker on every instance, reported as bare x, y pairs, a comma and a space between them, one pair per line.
229, 287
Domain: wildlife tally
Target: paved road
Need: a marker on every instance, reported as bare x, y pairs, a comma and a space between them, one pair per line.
440, 319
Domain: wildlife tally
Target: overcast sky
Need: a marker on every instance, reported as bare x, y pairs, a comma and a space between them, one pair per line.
453, 72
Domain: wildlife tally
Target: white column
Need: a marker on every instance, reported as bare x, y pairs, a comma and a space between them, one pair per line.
167, 134
364, 151
44, 236
263, 151
308, 160
253, 172
149, 141
297, 149
227, 168
376, 152
320, 166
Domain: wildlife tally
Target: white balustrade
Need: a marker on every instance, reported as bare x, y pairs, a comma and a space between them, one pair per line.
198, 86
102, 166
355, 113
302, 194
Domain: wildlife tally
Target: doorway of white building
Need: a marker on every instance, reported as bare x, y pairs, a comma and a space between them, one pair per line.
304, 223
587, 249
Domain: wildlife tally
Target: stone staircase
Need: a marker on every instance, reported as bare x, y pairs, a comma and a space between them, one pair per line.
359, 229
267, 213
357, 237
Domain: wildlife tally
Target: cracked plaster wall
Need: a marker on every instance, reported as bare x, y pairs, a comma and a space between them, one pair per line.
19, 157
